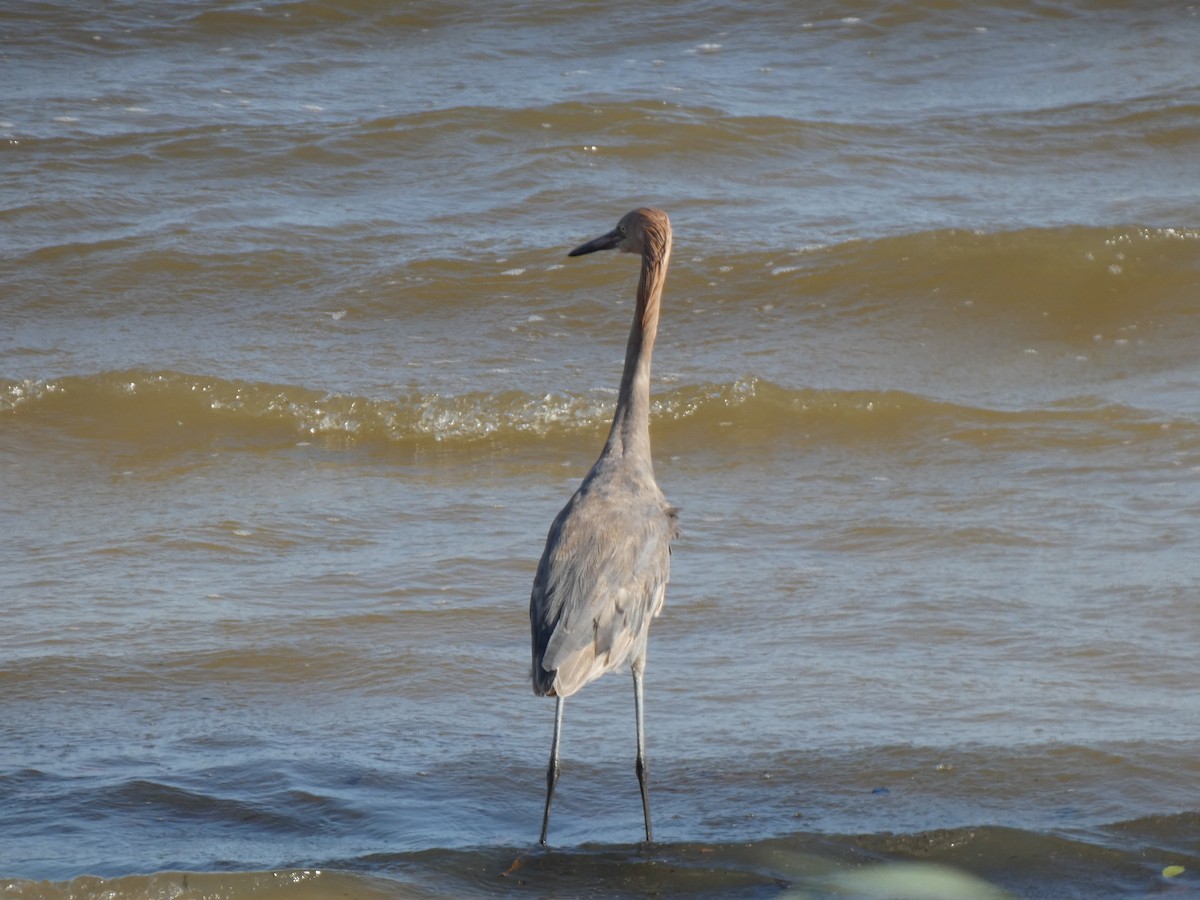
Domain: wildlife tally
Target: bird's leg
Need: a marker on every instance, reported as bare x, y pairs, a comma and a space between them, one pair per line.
642, 771
552, 770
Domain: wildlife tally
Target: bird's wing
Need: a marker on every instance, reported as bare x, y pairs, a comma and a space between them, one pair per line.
600, 582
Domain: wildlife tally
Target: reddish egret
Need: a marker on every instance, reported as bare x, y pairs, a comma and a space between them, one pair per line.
603, 573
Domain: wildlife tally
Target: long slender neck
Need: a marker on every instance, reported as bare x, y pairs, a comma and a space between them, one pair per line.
630, 433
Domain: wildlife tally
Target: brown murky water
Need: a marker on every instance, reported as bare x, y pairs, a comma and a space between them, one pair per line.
294, 375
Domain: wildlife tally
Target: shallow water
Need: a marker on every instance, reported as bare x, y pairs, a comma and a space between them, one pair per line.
294, 375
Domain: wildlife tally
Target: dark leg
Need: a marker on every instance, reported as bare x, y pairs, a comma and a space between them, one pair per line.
642, 770
552, 771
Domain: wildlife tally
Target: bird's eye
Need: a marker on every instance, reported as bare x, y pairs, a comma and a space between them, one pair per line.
621, 230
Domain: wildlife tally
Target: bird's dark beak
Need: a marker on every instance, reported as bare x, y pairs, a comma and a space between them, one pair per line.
604, 242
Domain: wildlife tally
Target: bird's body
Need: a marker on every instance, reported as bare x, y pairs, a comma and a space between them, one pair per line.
603, 574
601, 580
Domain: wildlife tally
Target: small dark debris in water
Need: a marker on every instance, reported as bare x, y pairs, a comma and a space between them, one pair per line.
783, 883
880, 790
516, 864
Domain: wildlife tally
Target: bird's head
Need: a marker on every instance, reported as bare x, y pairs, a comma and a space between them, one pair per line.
636, 231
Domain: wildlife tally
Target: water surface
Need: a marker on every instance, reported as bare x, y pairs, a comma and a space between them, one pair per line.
294, 375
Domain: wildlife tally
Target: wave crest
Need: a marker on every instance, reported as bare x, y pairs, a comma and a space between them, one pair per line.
176, 411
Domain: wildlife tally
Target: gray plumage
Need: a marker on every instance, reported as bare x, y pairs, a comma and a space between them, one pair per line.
603, 574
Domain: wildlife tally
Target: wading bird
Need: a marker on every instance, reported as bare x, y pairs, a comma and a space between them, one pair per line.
604, 571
